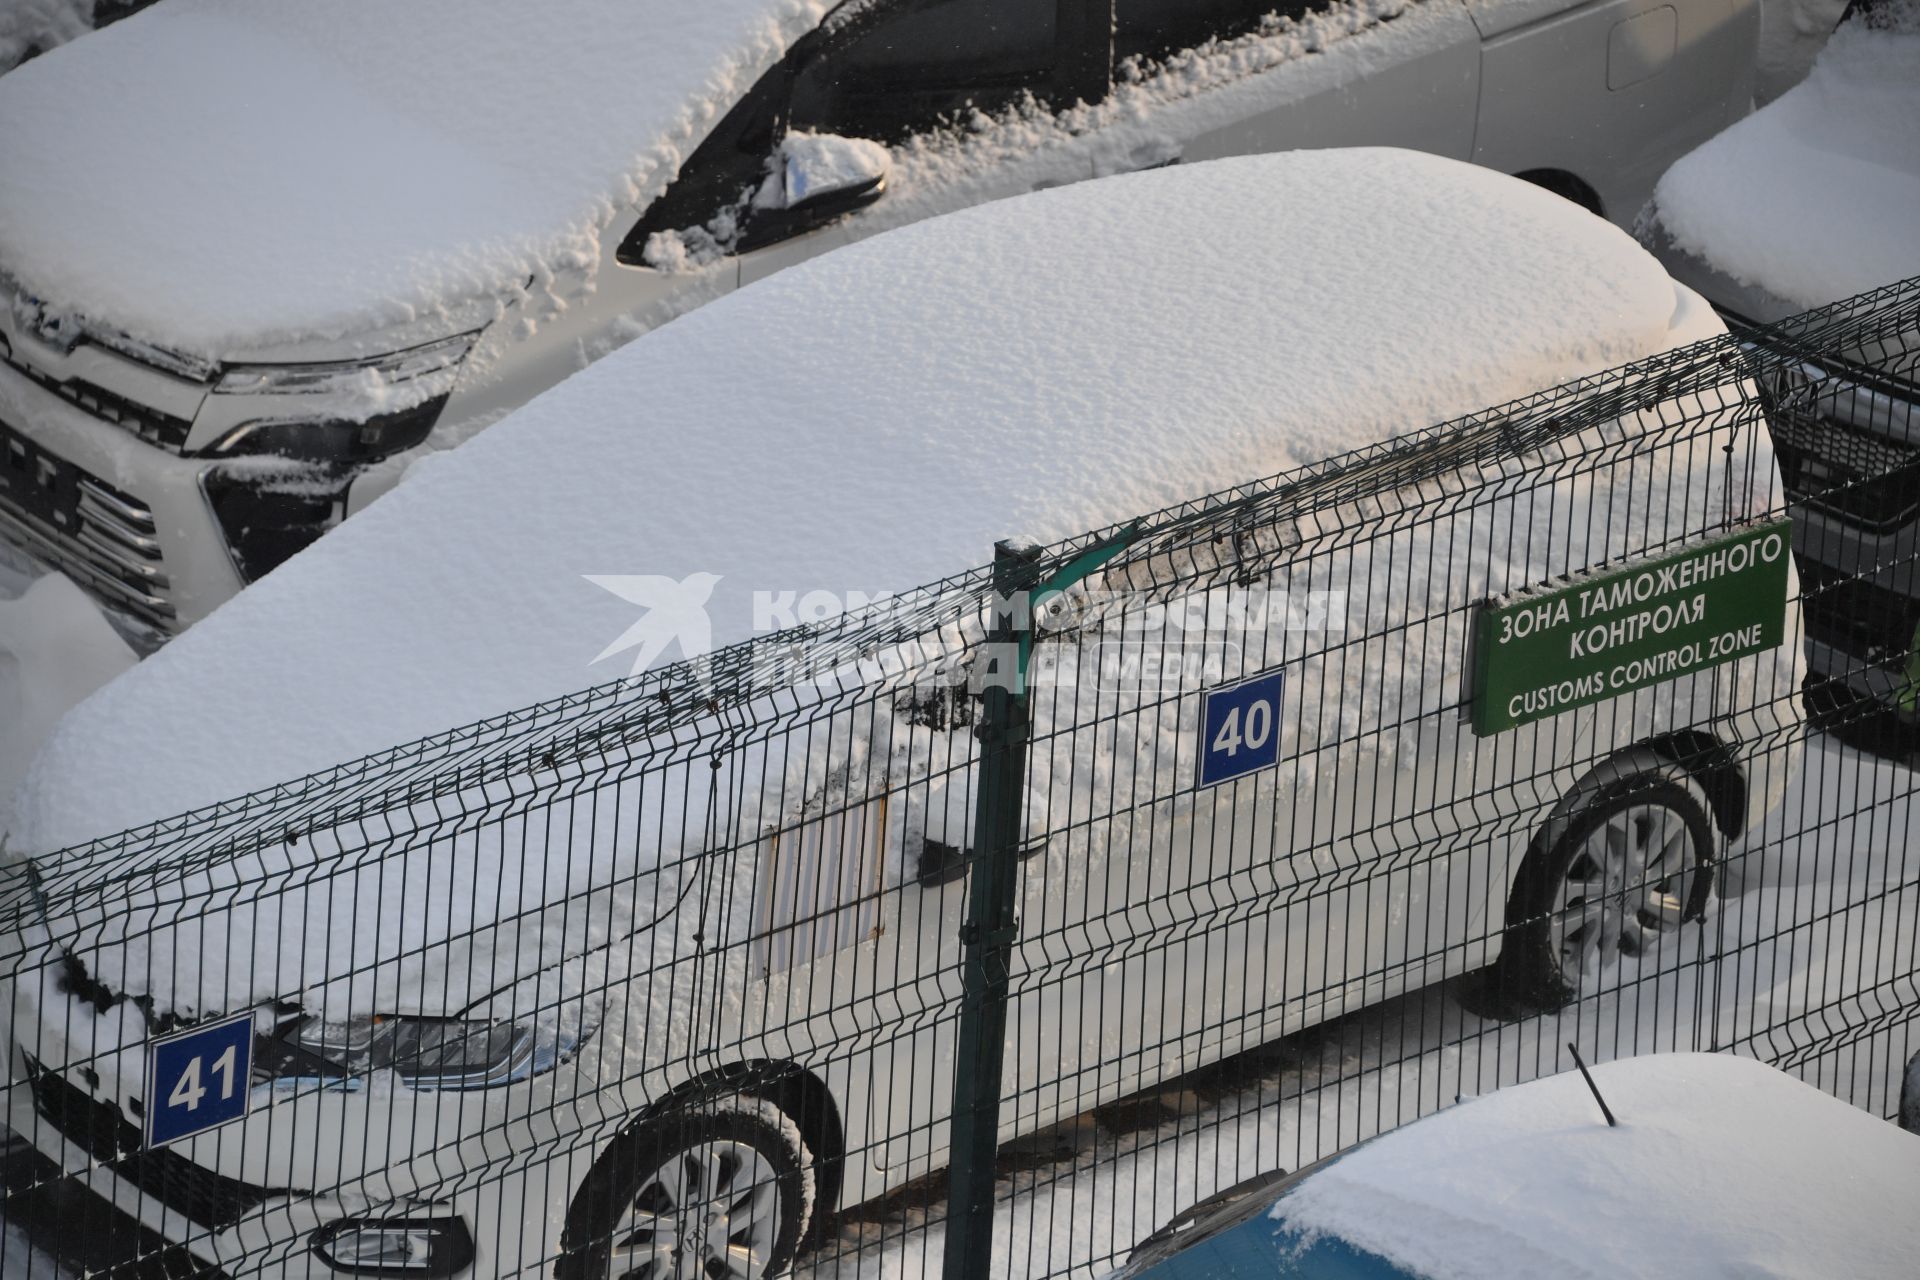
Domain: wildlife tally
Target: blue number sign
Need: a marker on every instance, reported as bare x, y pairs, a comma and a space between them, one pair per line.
1240, 728
198, 1080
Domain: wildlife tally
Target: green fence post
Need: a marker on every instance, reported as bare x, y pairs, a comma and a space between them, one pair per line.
990, 927
999, 826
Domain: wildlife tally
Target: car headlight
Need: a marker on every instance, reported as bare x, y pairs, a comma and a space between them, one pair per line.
431, 364
335, 441
427, 1053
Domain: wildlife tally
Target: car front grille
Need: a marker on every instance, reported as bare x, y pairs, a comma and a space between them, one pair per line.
1868, 623
103, 1132
1866, 475
105, 538
150, 424
1864, 479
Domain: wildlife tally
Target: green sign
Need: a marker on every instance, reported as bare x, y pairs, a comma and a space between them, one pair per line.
1540, 652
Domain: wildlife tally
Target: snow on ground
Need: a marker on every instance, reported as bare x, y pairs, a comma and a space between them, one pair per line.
56, 648
1822, 955
1022, 387
1811, 198
417, 154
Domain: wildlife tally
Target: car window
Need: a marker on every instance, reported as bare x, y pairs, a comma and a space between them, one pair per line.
906, 67
1153, 28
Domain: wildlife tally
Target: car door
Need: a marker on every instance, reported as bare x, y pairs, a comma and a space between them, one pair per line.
1612, 92
1311, 79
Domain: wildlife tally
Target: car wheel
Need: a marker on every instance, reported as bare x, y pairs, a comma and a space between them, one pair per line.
1616, 871
720, 1189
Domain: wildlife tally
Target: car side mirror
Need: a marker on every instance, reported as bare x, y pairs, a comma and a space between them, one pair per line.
816, 179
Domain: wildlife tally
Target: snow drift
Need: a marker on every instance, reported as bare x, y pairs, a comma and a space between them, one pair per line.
56, 647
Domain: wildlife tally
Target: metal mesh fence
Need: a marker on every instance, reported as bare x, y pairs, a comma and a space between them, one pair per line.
988, 928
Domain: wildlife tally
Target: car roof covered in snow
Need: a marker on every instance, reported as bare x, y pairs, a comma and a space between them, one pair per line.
212, 173
870, 421
1814, 197
1720, 1166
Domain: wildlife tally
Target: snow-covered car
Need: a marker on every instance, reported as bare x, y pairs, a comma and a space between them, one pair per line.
1718, 1166
254, 258
1807, 201
830, 431
28, 28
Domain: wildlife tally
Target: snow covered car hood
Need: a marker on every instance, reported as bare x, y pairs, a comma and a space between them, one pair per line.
219, 173
1813, 197
1719, 1166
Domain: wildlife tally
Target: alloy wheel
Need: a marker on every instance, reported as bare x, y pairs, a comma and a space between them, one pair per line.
1626, 887
712, 1212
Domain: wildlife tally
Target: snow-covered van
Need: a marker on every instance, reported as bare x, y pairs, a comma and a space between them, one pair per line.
256, 257
471, 1010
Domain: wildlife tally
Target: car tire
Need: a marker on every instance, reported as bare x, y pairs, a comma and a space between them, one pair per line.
719, 1187
1624, 861
1910, 1096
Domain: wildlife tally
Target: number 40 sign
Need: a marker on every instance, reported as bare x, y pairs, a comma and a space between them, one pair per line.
1240, 728
199, 1079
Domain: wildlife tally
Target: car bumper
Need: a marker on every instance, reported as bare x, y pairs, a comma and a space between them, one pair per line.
257, 1196
127, 520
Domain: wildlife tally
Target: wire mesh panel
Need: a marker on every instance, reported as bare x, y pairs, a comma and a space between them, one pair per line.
1317, 806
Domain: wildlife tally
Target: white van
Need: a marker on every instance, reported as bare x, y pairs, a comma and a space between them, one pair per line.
253, 258
584, 955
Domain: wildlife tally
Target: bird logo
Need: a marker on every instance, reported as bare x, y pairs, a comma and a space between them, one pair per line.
676, 611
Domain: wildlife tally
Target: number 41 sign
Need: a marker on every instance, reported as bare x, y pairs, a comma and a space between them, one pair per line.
199, 1080
1240, 728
